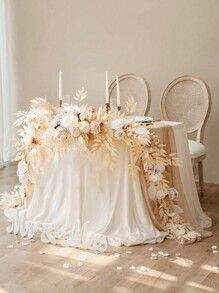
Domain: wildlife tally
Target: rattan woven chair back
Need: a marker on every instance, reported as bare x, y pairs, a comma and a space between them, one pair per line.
134, 86
187, 99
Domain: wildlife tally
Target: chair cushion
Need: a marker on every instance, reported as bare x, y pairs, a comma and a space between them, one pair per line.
196, 149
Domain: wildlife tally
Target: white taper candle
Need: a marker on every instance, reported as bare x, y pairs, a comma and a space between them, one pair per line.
118, 92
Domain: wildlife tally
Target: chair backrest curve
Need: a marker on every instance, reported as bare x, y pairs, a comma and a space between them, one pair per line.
135, 86
187, 99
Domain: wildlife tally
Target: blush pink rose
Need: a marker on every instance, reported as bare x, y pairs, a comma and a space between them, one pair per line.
75, 131
95, 127
89, 113
149, 168
90, 109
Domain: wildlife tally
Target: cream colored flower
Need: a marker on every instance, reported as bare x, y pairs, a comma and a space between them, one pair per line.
22, 169
89, 114
161, 193
75, 131
68, 120
90, 109
95, 127
173, 194
159, 168
155, 177
149, 168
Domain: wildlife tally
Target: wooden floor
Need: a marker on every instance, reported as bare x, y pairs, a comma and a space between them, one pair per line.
24, 269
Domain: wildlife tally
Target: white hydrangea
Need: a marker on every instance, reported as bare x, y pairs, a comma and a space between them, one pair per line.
22, 169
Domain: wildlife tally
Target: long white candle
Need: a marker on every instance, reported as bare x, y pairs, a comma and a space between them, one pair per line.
107, 87
60, 85
118, 92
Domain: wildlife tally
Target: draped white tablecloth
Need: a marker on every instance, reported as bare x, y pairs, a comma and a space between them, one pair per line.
80, 199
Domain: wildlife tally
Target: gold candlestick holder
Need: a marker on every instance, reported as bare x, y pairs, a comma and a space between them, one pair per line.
107, 107
60, 103
119, 108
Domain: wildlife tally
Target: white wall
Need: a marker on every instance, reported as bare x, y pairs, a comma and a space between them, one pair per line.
159, 39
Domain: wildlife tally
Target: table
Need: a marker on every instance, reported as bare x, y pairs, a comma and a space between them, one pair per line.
79, 201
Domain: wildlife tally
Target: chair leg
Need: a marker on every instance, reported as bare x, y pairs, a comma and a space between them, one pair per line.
201, 179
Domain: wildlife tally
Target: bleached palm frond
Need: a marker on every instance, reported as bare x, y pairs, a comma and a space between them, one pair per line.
100, 113
80, 95
42, 104
22, 117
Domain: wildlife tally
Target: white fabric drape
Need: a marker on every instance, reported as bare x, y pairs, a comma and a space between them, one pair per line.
5, 99
80, 200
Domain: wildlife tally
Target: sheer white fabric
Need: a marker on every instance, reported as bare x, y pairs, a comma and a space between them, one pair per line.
82, 202
189, 199
5, 102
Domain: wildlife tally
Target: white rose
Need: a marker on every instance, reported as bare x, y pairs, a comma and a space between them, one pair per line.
75, 131
161, 193
155, 177
160, 168
173, 194
68, 120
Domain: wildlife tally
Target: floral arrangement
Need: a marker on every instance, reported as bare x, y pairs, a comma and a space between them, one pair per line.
46, 129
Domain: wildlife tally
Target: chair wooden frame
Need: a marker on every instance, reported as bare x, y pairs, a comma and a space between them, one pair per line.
201, 125
144, 83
